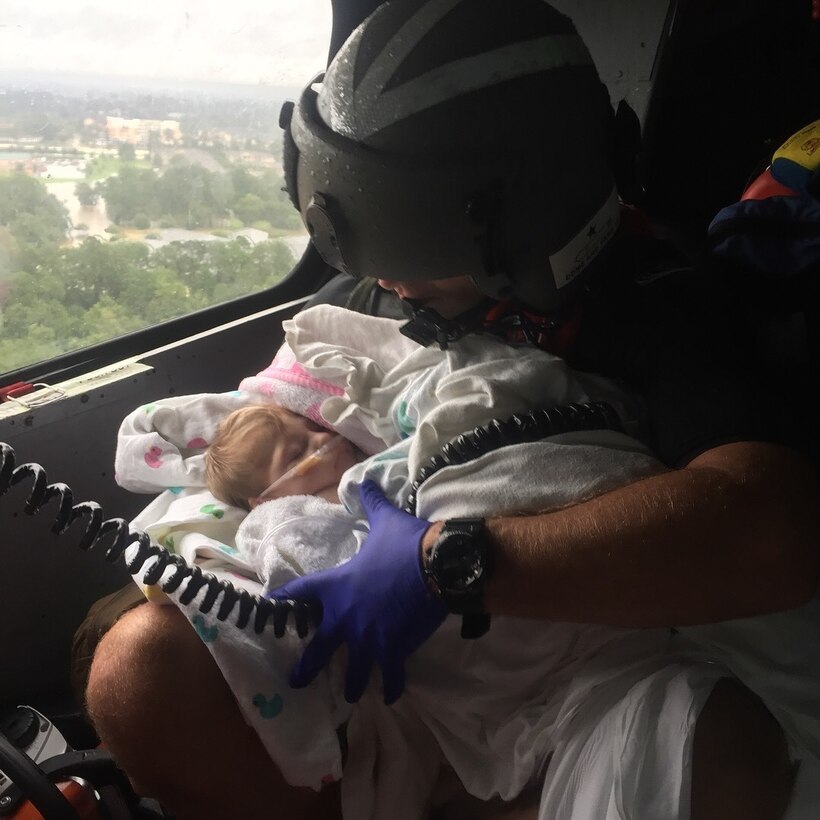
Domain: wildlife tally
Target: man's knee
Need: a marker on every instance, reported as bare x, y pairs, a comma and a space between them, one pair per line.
137, 669
134, 657
741, 765
99, 619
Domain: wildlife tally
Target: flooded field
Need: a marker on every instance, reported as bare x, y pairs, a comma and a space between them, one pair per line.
94, 216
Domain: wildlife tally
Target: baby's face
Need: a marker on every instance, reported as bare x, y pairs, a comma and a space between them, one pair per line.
299, 439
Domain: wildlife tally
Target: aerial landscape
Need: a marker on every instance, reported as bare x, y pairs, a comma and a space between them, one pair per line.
128, 203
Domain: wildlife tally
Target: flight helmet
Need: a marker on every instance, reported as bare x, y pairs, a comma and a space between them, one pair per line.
458, 137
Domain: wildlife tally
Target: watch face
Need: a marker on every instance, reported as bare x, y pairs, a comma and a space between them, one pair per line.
457, 564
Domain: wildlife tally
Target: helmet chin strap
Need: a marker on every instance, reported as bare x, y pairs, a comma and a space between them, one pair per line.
428, 325
510, 322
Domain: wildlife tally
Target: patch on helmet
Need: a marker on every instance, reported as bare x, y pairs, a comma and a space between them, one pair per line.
582, 249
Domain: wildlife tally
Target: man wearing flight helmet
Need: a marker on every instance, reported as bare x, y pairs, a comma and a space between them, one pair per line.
450, 167
461, 151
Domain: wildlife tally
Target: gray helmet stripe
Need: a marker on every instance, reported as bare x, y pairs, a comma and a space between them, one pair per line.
351, 111
368, 109
399, 47
472, 73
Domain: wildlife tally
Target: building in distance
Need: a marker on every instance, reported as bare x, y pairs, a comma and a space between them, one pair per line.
143, 132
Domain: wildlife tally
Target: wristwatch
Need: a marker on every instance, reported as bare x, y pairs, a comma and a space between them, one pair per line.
458, 566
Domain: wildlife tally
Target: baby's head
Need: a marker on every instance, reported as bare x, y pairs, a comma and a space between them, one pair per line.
256, 445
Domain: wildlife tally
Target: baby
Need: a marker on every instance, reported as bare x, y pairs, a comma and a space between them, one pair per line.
263, 451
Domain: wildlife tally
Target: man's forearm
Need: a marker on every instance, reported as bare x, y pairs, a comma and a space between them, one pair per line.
733, 534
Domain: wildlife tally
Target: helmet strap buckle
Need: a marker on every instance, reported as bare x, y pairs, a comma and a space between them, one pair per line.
428, 325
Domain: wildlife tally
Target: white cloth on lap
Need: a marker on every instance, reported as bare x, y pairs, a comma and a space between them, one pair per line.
624, 741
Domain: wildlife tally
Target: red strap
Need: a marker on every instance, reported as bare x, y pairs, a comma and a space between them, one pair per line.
766, 185
13, 391
555, 339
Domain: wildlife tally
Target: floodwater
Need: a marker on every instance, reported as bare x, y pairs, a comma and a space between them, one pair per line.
94, 216
96, 219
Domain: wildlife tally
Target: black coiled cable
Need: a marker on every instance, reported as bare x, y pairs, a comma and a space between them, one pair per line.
522, 428
114, 535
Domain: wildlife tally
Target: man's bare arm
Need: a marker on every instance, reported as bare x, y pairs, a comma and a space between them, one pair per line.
734, 533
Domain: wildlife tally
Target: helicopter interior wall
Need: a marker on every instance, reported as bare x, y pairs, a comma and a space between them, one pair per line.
46, 583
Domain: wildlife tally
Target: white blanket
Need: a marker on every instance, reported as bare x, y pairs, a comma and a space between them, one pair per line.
387, 388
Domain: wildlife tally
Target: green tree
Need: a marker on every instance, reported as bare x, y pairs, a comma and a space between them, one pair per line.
8, 254
130, 192
126, 152
35, 230
27, 208
86, 195
108, 319
250, 208
156, 294
194, 195
274, 260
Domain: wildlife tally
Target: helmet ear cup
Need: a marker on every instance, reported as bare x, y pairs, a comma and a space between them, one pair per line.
290, 154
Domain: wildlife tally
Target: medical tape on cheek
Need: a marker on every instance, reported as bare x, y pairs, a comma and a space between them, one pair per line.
304, 466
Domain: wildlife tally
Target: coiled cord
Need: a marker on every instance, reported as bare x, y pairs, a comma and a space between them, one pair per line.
520, 428
114, 536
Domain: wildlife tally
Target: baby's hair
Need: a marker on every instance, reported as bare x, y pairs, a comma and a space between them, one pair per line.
242, 440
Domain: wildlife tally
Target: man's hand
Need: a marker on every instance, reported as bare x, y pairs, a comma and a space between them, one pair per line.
378, 603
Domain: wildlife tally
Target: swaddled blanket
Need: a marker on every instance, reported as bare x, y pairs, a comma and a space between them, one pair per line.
378, 387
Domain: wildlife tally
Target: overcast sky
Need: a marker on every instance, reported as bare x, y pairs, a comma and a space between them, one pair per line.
274, 42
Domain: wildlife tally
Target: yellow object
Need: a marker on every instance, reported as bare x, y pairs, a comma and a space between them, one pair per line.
155, 594
802, 147
307, 464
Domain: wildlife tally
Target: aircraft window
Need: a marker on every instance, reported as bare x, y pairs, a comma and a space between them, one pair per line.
140, 174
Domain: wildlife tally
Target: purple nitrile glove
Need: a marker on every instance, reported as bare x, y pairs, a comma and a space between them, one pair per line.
378, 603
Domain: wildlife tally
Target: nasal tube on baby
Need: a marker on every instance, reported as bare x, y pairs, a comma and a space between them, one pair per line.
305, 465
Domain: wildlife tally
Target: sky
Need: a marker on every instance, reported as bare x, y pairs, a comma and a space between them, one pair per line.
258, 42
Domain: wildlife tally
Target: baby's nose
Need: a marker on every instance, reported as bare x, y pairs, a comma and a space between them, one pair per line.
318, 438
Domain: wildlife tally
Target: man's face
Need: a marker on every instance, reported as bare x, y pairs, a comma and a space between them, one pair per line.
448, 297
